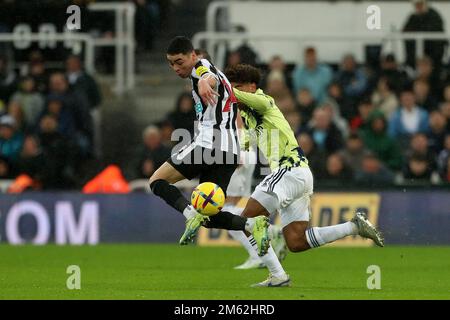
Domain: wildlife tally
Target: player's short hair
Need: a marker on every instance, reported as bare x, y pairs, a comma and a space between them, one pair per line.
180, 44
243, 73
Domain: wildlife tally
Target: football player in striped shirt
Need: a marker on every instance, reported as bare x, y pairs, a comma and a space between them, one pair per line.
213, 154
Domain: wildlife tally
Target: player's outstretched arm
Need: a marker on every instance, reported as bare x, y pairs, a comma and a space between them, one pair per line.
257, 101
205, 88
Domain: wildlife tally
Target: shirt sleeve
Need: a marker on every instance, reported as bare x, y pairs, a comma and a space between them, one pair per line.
202, 68
257, 101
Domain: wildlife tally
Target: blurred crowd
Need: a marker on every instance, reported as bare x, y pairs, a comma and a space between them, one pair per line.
46, 122
357, 125
372, 126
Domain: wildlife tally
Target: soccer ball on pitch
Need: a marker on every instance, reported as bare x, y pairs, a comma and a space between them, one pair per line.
208, 198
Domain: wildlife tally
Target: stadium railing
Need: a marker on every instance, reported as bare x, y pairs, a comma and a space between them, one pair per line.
123, 41
214, 40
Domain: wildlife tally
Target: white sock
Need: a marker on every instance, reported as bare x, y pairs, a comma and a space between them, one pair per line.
274, 230
240, 235
249, 224
189, 212
270, 259
318, 236
242, 238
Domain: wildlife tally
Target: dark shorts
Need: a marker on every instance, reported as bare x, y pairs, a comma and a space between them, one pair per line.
208, 165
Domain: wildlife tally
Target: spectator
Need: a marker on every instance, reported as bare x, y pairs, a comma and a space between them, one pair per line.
340, 122
30, 101
378, 141
32, 161
305, 105
60, 155
203, 54
443, 158
419, 146
10, 139
278, 64
316, 158
336, 172
77, 106
354, 152
233, 59
166, 128
153, 153
335, 95
390, 71
324, 132
65, 118
277, 88
294, 119
38, 72
6, 169
8, 81
424, 19
354, 82
146, 22
423, 96
313, 76
425, 71
417, 169
445, 110
183, 116
446, 175
16, 111
82, 82
438, 130
360, 121
384, 97
373, 173
408, 119
246, 53
446, 93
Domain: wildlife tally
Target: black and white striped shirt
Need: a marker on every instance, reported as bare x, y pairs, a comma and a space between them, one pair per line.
217, 127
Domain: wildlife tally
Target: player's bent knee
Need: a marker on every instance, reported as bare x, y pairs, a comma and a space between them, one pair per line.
297, 245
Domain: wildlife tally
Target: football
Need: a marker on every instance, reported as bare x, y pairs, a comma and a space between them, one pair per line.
208, 198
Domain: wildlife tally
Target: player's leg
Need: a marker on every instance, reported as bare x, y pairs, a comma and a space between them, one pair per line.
174, 170
300, 238
253, 261
278, 276
295, 217
221, 175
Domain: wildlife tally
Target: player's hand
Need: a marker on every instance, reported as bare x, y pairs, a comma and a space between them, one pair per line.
207, 93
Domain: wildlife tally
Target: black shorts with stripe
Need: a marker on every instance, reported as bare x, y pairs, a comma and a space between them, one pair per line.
209, 165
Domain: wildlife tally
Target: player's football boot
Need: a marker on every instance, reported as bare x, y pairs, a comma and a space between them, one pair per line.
278, 242
273, 281
192, 226
367, 229
251, 263
260, 233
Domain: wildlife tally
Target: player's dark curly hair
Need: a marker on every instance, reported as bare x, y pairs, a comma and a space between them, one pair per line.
243, 73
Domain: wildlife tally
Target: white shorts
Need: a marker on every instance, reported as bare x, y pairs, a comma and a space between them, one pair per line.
287, 191
241, 181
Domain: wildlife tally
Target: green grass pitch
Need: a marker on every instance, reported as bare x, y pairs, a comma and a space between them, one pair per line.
153, 271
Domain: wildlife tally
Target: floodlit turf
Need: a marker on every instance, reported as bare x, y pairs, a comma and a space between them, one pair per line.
174, 272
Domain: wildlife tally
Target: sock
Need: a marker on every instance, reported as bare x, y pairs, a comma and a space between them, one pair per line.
170, 194
249, 224
242, 238
274, 231
318, 236
189, 212
270, 259
226, 220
